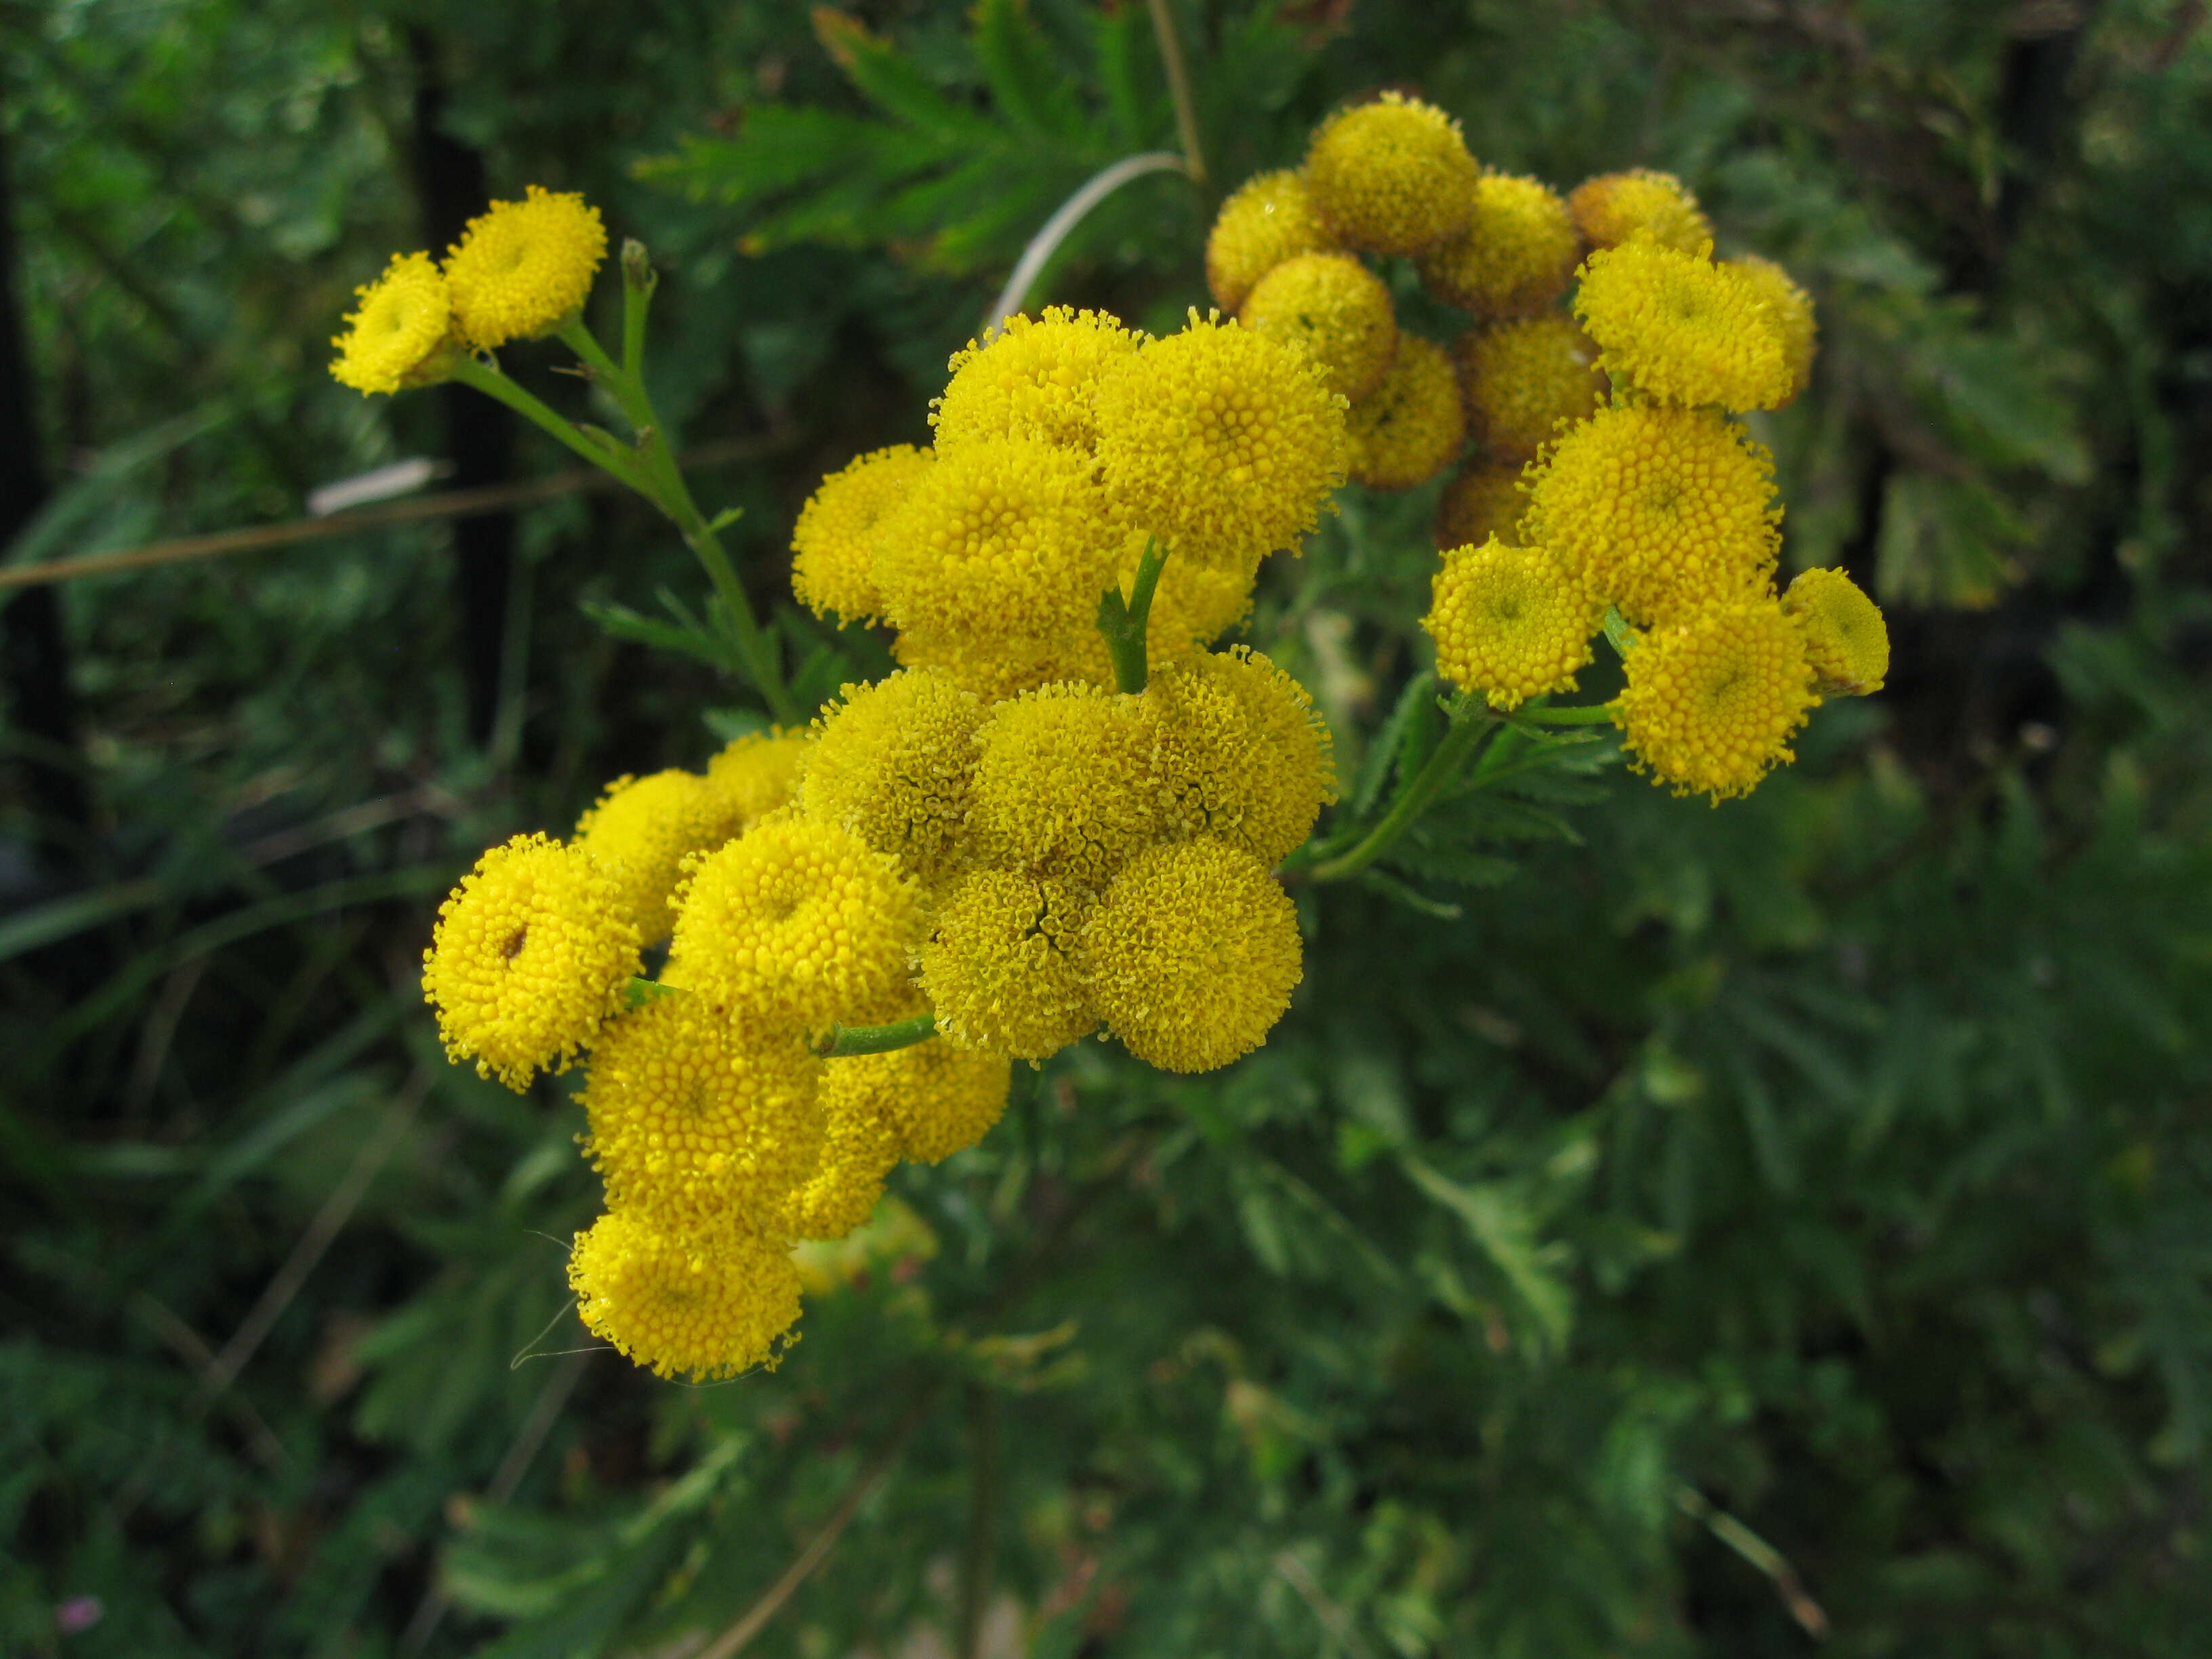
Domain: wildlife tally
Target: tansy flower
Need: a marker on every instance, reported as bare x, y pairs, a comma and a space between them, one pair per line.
530, 954
641, 831
993, 671
1221, 442
702, 1307
940, 1099
998, 967
1614, 207
1509, 623
1393, 176
1791, 306
1059, 783
1845, 639
1516, 255
1033, 379
759, 772
1269, 219
1481, 500
861, 1147
1409, 427
1336, 310
1660, 511
1679, 328
891, 762
1003, 536
1239, 751
794, 922
1522, 379
1711, 702
402, 331
833, 567
1192, 954
696, 1122
521, 268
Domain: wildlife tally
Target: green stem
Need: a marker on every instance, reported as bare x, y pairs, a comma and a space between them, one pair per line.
1594, 714
1123, 622
1618, 633
639, 281
846, 1040
1185, 107
661, 482
1470, 721
493, 384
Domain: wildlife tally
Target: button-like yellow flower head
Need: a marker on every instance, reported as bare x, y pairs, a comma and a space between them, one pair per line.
1662, 511
531, 955
1845, 637
1335, 309
1680, 329
1269, 219
1221, 442
793, 923
1411, 427
998, 967
759, 772
1522, 379
695, 1121
833, 570
1516, 255
1033, 379
1239, 751
1393, 176
698, 1308
1711, 702
1482, 501
402, 332
1060, 787
891, 762
1509, 623
1192, 954
523, 266
1615, 207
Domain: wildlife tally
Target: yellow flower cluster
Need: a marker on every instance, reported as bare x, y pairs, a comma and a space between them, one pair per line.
1066, 445
1603, 471
518, 271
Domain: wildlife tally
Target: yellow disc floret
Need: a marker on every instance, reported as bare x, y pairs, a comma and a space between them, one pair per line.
1060, 785
833, 569
1615, 207
1679, 328
1004, 537
1660, 511
1509, 623
1845, 638
529, 957
1239, 751
795, 921
1393, 176
642, 829
891, 762
701, 1307
1269, 219
1522, 379
1516, 255
942, 1099
999, 968
1336, 310
861, 1147
402, 331
1412, 425
1791, 306
1711, 702
1033, 379
1482, 499
1221, 442
696, 1123
1192, 954
521, 268
759, 772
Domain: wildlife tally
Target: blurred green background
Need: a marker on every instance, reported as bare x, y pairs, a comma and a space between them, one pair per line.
1743, 1231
